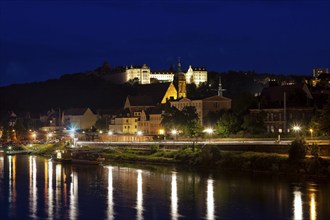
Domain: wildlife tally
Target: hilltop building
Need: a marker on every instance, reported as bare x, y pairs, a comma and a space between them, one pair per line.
143, 75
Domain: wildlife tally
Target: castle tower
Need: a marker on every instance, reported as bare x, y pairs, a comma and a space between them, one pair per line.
179, 82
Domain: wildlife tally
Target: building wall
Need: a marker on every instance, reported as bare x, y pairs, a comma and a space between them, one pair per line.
155, 123
163, 77
203, 106
127, 125
142, 74
274, 118
85, 121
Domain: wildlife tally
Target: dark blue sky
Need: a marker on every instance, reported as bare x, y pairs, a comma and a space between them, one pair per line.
45, 39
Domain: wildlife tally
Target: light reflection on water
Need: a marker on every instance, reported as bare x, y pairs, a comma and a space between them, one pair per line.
110, 213
297, 204
174, 197
210, 200
139, 196
12, 185
33, 186
64, 191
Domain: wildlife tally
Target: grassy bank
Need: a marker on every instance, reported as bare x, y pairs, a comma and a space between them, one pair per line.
209, 157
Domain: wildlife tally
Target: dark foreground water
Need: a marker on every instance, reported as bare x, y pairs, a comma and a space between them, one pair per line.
35, 188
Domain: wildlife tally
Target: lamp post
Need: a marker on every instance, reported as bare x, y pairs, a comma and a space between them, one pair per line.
34, 135
296, 129
209, 131
139, 134
174, 133
49, 135
311, 131
110, 133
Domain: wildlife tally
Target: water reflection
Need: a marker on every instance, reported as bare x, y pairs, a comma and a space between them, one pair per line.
49, 187
74, 196
12, 185
139, 196
174, 197
313, 212
297, 204
33, 186
210, 200
110, 213
1, 166
58, 191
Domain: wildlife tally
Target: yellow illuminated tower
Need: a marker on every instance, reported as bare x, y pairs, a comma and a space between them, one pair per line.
179, 82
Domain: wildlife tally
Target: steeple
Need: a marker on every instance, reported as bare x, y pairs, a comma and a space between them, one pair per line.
179, 65
179, 82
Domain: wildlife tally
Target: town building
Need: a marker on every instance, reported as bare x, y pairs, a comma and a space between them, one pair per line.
284, 107
204, 106
318, 71
80, 118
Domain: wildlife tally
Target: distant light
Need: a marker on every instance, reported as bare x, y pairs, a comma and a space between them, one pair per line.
174, 131
110, 133
208, 130
73, 129
139, 133
161, 131
296, 128
101, 132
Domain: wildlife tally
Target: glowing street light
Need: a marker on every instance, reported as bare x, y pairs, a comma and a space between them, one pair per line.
296, 128
34, 135
174, 133
110, 133
311, 131
49, 136
139, 134
209, 131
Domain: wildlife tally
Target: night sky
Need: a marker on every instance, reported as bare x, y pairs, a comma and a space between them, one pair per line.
45, 39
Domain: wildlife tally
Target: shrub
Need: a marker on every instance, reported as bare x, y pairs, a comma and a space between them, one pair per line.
298, 149
315, 150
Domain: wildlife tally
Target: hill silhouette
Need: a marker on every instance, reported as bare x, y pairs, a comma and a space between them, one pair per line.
69, 91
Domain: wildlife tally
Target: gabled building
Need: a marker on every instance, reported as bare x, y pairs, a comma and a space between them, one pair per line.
204, 106
285, 106
124, 123
148, 96
80, 118
196, 75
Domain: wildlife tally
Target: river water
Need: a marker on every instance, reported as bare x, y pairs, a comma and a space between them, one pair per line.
34, 188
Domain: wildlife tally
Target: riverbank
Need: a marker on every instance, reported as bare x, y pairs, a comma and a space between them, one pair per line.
207, 157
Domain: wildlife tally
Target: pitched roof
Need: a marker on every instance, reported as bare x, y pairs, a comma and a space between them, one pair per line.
140, 100
275, 94
155, 91
217, 98
75, 111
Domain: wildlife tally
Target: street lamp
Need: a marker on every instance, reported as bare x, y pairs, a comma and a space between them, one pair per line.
49, 135
296, 129
110, 133
311, 131
34, 135
209, 131
174, 132
139, 134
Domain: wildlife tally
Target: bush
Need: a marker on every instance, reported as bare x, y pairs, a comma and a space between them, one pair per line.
298, 149
315, 150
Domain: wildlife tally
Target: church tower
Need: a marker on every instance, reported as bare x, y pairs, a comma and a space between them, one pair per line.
179, 82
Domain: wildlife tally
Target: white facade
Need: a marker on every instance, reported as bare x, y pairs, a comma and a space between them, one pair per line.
140, 73
163, 76
196, 75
